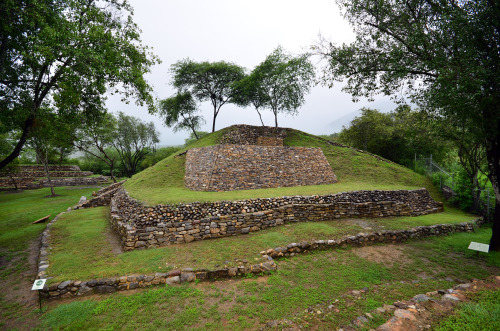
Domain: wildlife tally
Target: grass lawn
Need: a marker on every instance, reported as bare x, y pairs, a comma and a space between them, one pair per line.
483, 313
390, 272
82, 237
17, 234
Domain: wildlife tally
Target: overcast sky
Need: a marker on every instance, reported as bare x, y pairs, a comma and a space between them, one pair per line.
243, 32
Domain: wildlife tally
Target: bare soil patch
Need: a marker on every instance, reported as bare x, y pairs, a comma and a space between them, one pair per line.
386, 255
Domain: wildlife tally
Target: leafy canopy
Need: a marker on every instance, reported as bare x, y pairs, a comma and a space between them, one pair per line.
208, 81
179, 111
65, 55
279, 83
442, 54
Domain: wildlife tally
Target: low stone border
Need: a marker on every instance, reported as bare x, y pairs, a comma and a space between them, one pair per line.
362, 239
71, 288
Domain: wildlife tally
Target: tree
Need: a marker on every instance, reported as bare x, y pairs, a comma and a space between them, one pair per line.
134, 140
96, 136
208, 81
64, 56
179, 111
442, 55
43, 138
280, 83
397, 135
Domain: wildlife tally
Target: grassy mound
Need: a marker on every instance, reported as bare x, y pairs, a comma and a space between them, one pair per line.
164, 182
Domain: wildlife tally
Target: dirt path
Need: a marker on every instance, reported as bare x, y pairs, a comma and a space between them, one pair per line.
16, 291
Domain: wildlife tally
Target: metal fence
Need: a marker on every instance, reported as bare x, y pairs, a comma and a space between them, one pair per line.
447, 184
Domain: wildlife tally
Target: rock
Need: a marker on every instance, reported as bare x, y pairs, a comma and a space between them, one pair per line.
187, 277
450, 297
84, 290
232, 272
101, 289
64, 284
402, 313
173, 280
245, 230
173, 273
420, 298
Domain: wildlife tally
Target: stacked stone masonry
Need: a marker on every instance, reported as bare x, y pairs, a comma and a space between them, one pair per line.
33, 177
141, 226
71, 288
238, 167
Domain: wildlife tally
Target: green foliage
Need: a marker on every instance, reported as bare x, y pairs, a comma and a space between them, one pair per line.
442, 55
67, 54
397, 135
157, 156
179, 111
279, 83
483, 313
192, 138
133, 141
207, 81
95, 138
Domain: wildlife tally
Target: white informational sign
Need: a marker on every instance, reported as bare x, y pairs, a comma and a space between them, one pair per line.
38, 284
479, 247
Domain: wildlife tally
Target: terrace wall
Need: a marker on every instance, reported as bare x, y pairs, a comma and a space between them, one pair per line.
140, 226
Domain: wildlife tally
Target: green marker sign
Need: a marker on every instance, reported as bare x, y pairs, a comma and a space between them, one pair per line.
38, 284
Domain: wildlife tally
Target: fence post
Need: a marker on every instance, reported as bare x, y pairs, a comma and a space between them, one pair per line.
415, 162
430, 165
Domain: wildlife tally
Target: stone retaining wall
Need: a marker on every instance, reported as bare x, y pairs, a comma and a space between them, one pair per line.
36, 183
140, 226
239, 167
103, 196
71, 288
41, 174
52, 167
373, 238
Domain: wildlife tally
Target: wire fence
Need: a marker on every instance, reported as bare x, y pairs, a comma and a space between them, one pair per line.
447, 184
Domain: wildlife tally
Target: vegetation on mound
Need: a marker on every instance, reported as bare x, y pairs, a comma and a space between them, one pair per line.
163, 183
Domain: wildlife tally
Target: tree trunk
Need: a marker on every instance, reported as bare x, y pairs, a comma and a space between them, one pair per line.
45, 162
13, 181
22, 140
493, 156
260, 116
215, 116
276, 119
111, 169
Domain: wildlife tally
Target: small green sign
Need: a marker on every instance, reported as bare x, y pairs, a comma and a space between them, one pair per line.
38, 284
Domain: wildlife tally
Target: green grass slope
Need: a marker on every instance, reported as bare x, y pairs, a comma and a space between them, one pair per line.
163, 183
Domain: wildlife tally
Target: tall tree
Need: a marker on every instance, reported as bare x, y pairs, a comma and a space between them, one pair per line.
64, 56
134, 140
179, 111
280, 83
443, 55
208, 81
96, 136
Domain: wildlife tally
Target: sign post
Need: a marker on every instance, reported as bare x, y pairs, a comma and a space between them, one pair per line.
38, 285
478, 247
